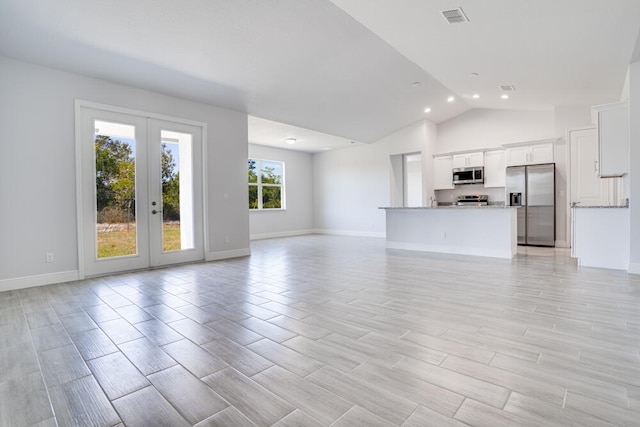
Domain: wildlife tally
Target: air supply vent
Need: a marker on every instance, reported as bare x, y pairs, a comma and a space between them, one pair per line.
455, 16
507, 88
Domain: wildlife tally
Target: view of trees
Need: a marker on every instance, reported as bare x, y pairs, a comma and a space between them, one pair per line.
115, 182
269, 185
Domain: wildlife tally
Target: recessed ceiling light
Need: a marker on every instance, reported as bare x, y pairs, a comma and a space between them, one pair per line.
474, 74
291, 141
504, 96
475, 96
451, 99
427, 110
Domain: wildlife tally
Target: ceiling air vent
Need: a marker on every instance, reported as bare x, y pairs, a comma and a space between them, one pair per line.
508, 88
455, 16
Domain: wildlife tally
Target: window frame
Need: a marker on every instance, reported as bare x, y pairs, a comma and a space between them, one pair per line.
259, 185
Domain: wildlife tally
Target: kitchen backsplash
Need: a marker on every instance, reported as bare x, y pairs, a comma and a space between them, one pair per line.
450, 196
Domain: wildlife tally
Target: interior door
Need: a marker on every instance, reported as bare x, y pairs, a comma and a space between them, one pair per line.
140, 181
586, 187
412, 191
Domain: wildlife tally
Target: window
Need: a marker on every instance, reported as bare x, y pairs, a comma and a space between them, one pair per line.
266, 180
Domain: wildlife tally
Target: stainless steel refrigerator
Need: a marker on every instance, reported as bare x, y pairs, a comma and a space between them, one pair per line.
533, 188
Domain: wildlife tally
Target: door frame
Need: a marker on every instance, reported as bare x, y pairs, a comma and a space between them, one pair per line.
81, 104
570, 154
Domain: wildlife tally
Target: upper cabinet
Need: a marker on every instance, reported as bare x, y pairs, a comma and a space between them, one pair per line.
494, 168
442, 173
613, 139
530, 154
468, 160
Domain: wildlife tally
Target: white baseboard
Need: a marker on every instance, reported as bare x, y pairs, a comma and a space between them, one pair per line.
377, 234
562, 244
236, 253
39, 280
634, 268
262, 236
454, 250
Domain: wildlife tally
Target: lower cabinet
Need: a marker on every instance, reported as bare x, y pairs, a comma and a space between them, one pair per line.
600, 237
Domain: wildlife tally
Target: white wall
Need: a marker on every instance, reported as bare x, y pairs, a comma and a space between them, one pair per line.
492, 128
298, 216
350, 184
37, 195
634, 163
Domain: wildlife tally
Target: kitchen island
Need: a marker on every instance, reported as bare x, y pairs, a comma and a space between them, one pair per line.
466, 230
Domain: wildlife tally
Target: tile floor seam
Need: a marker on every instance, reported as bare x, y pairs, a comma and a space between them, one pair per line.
37, 357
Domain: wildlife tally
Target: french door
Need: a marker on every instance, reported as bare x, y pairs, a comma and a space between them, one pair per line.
141, 191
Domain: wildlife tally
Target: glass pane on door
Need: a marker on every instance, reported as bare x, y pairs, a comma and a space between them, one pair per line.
177, 191
115, 156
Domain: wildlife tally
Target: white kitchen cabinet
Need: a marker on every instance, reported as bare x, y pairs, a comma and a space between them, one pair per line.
495, 165
613, 139
530, 154
600, 237
442, 173
467, 160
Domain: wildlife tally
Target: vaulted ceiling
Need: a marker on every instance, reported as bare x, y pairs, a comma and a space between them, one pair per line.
355, 69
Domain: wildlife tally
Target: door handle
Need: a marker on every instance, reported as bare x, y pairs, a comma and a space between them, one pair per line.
155, 212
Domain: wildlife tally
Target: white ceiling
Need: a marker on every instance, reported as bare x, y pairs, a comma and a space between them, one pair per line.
555, 52
275, 134
343, 68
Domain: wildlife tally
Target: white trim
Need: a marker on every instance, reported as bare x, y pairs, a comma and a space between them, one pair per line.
562, 244
262, 236
142, 113
634, 268
377, 234
39, 280
236, 253
205, 192
79, 188
553, 140
455, 250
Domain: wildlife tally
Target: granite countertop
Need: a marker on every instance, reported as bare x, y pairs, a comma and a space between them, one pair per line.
599, 207
451, 207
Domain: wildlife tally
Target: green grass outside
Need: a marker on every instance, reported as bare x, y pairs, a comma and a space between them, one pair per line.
123, 242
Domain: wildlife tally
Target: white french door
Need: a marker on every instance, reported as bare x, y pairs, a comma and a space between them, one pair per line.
140, 181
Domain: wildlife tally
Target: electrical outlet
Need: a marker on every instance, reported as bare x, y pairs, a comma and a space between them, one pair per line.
49, 257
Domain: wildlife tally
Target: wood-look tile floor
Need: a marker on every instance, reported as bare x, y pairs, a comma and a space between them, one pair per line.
328, 331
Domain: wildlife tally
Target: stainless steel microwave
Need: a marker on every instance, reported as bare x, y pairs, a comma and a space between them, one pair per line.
474, 175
